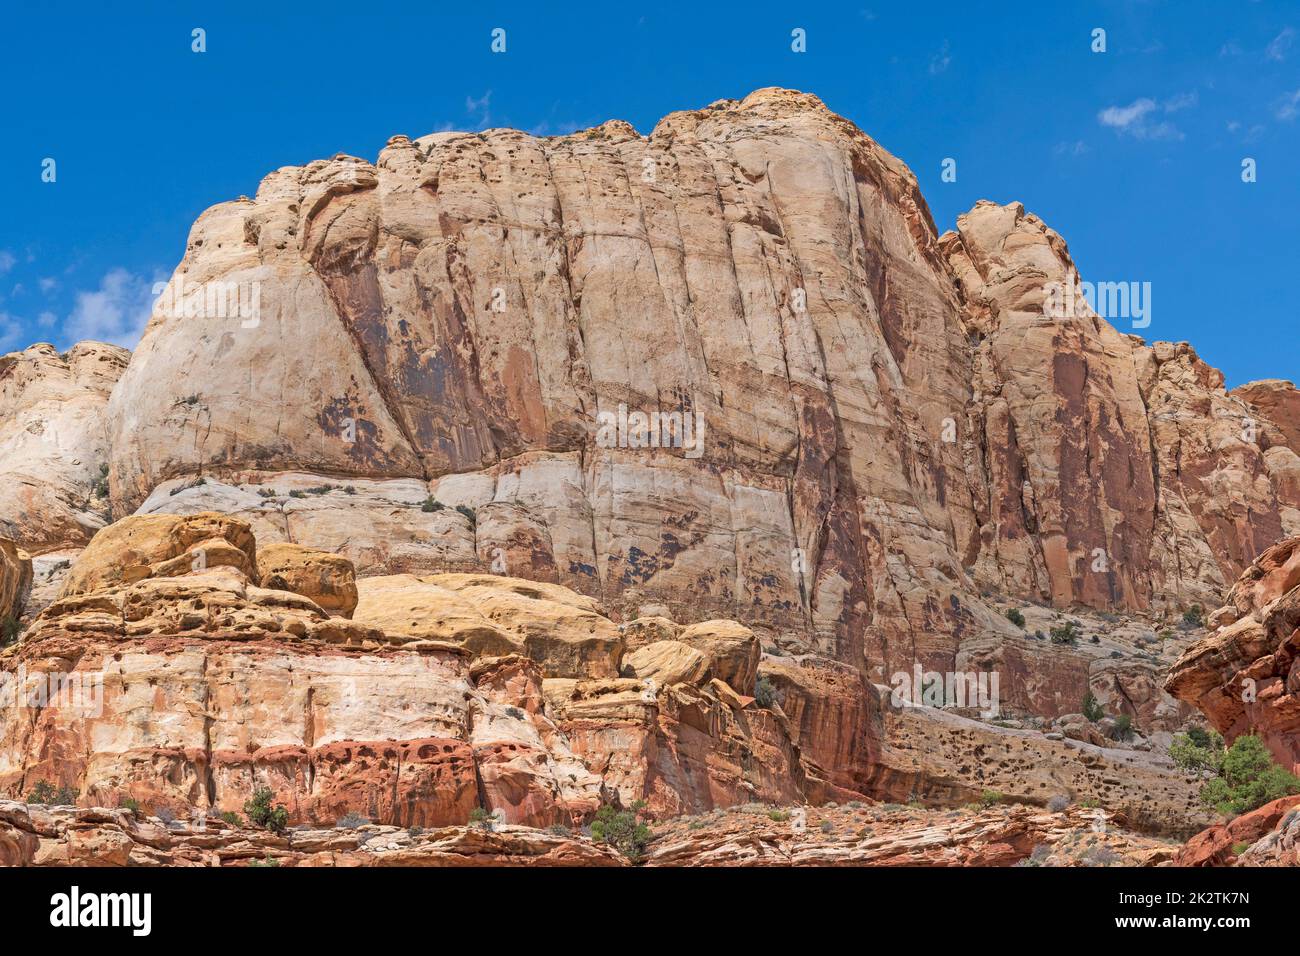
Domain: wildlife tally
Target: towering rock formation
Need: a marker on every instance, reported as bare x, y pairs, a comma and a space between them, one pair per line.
890, 422
1118, 475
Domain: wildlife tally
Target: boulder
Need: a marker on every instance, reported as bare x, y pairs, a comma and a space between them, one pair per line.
328, 579
145, 546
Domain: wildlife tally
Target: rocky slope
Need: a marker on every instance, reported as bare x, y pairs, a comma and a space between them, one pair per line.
749, 836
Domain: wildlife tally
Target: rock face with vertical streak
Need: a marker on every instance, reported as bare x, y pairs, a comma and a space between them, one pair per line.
15, 581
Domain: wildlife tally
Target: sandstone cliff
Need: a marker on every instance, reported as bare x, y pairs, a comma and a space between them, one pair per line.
892, 423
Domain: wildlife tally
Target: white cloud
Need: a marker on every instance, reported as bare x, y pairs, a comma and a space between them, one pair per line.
7, 261
1182, 101
1136, 120
1280, 45
116, 312
47, 284
1124, 117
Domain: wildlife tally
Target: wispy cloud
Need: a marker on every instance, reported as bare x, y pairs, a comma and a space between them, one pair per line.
116, 312
1288, 107
556, 128
1280, 45
939, 62
1077, 148
7, 261
479, 110
11, 332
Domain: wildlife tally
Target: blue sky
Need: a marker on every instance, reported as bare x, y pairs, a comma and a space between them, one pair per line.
1133, 155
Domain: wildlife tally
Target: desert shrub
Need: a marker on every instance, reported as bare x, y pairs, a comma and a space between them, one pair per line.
764, 692
1058, 803
350, 821
262, 813
479, 817
990, 797
1067, 633
233, 818
297, 494
622, 829
266, 492
1099, 856
778, 816
1091, 709
431, 504
1015, 617
1248, 778
559, 829
99, 487
165, 815
267, 861
1123, 728
468, 512
9, 629
1194, 616
47, 794
515, 712
827, 827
